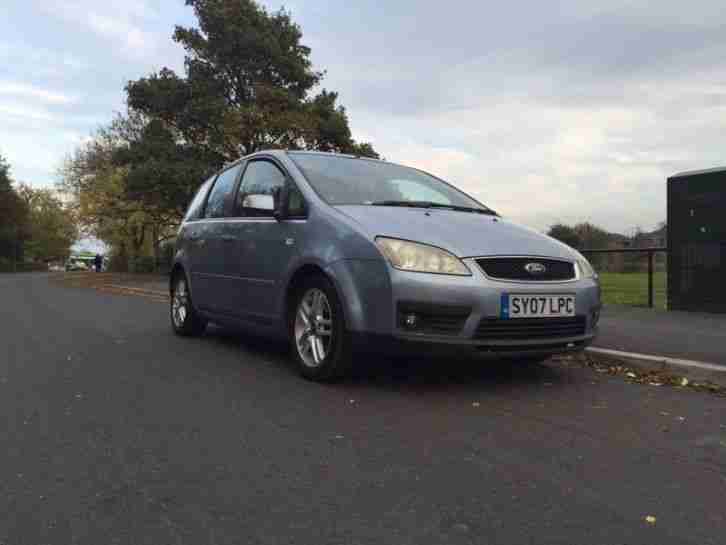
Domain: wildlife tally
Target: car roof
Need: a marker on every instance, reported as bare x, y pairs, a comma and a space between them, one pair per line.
697, 172
280, 153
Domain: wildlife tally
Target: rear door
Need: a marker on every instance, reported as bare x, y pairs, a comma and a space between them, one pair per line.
264, 245
189, 241
211, 279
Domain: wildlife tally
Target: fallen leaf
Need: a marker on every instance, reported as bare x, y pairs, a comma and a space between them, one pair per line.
682, 418
475, 404
663, 413
631, 375
684, 381
656, 383
650, 519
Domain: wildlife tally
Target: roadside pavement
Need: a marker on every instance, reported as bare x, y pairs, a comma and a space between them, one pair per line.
684, 335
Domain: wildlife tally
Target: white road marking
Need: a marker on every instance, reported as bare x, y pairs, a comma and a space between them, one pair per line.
660, 359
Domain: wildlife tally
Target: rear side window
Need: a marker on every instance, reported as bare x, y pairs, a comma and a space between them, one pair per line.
195, 208
222, 188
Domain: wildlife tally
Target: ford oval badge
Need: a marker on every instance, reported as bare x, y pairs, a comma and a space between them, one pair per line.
535, 268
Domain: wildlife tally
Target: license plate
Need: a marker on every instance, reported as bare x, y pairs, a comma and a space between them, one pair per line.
537, 306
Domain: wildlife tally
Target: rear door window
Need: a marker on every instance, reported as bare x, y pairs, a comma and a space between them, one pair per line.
221, 190
195, 208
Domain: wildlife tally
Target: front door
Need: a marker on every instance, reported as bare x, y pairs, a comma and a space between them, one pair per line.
265, 246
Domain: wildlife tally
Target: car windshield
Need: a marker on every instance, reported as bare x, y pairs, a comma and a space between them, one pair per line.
345, 180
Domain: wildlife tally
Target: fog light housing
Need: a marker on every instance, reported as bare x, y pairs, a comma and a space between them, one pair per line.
410, 321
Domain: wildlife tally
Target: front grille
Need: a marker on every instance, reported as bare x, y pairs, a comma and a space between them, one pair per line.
515, 268
495, 329
433, 319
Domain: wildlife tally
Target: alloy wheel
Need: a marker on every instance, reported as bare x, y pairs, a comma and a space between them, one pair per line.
180, 304
313, 327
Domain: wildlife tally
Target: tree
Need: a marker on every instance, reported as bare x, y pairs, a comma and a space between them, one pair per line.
13, 216
247, 86
52, 226
99, 187
566, 234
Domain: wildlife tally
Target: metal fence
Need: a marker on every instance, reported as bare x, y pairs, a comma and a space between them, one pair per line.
632, 276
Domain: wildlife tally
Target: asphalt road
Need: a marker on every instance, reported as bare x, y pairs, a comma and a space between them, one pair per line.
118, 432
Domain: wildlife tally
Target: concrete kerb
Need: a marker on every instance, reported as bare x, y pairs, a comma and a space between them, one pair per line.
693, 370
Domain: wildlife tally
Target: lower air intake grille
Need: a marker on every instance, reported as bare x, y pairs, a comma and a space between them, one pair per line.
495, 329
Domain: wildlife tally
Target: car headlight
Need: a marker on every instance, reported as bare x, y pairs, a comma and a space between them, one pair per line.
586, 270
416, 257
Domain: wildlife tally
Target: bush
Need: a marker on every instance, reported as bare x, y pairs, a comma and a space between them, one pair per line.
6, 266
141, 264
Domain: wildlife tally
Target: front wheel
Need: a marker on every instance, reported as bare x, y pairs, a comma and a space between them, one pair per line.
321, 345
185, 321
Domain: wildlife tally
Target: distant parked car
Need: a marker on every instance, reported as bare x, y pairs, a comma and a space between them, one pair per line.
77, 265
338, 254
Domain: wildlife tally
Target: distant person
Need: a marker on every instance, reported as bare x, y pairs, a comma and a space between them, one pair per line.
98, 262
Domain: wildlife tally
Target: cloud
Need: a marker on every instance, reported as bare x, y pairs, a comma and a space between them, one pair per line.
32, 92
120, 23
132, 37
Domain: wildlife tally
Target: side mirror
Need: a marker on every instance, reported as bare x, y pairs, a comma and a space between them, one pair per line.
281, 198
263, 203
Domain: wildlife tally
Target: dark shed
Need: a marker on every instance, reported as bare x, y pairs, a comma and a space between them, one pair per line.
697, 241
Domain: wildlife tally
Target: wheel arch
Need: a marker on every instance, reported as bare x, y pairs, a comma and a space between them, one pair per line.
304, 271
177, 269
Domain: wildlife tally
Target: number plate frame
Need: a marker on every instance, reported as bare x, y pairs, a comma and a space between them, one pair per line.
537, 305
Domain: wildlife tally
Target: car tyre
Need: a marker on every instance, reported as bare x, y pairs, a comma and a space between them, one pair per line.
319, 341
185, 320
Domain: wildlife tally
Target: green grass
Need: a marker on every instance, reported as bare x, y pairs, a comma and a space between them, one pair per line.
632, 289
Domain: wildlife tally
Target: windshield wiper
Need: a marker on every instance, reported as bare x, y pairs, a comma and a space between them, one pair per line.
429, 204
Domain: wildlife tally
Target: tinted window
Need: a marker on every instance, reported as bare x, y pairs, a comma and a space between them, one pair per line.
261, 178
223, 187
346, 180
195, 207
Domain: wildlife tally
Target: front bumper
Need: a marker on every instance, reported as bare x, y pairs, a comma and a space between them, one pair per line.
372, 293
480, 298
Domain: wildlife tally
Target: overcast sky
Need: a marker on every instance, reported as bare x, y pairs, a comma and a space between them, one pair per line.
545, 111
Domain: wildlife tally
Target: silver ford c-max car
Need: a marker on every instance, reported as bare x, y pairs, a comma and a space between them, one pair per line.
339, 254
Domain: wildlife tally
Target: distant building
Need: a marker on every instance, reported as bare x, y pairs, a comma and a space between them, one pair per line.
653, 239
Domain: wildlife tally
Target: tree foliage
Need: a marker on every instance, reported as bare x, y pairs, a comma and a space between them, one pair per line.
583, 236
34, 223
248, 86
99, 186
565, 233
14, 217
52, 226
